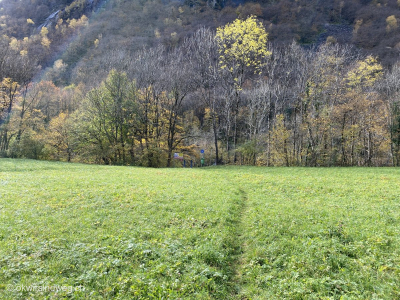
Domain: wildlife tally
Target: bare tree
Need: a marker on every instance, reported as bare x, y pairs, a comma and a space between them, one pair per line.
202, 52
147, 69
389, 89
178, 78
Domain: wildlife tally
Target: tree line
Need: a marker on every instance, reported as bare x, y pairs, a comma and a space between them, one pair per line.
226, 91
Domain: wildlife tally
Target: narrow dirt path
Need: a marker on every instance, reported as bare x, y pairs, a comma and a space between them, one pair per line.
236, 242
243, 246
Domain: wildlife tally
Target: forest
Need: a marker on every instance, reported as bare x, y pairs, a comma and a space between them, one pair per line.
250, 83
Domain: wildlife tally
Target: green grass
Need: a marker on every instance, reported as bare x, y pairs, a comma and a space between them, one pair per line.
211, 233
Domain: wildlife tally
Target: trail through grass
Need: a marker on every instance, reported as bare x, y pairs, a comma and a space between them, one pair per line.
211, 233
322, 234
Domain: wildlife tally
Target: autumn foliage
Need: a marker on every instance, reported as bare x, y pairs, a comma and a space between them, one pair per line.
225, 91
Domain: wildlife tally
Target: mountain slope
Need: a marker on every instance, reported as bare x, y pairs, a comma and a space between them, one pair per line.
116, 26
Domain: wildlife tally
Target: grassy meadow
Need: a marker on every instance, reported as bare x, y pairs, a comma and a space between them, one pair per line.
204, 233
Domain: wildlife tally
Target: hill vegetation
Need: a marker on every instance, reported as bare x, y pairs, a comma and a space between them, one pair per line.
373, 22
132, 82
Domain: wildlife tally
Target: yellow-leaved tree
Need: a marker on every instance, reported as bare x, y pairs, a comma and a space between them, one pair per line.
242, 49
364, 74
8, 93
242, 45
363, 116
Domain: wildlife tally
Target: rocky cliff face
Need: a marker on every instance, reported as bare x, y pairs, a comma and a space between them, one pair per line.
73, 11
52, 19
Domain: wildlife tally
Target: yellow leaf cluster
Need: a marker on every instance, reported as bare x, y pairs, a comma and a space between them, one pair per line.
45, 42
391, 23
14, 44
44, 31
365, 73
242, 43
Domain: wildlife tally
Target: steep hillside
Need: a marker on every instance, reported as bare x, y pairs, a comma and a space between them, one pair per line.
116, 26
